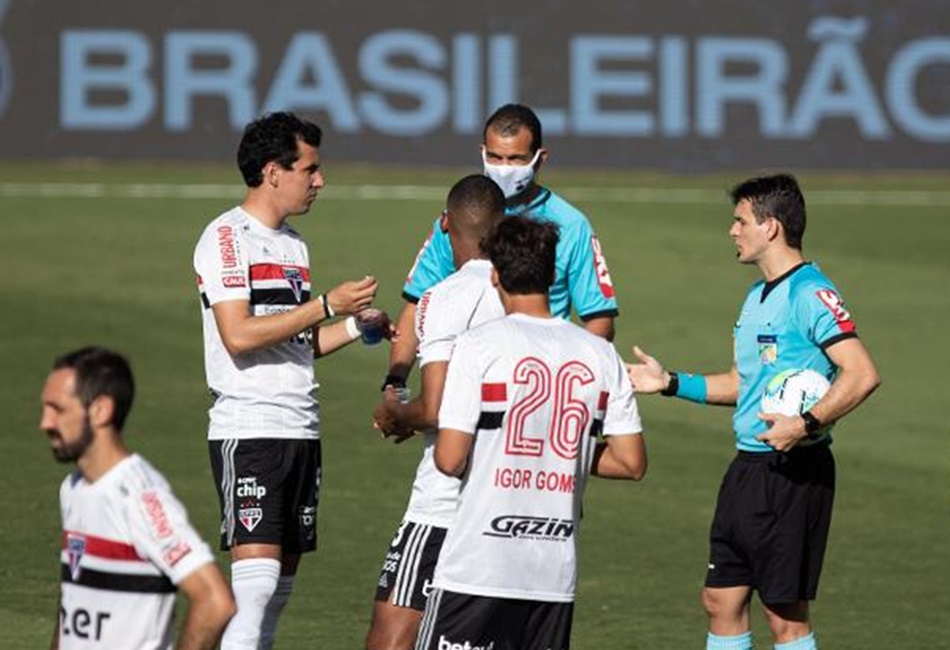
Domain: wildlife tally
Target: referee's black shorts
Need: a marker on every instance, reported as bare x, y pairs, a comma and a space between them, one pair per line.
771, 524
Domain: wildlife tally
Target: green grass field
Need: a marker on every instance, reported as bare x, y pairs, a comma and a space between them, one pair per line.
116, 270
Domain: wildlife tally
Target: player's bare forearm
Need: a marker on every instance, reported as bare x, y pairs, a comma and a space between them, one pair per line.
722, 389
421, 414
650, 376
602, 326
620, 457
402, 353
433, 384
327, 339
243, 332
411, 416
210, 608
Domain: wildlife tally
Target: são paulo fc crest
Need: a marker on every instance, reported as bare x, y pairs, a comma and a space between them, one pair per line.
250, 517
295, 279
75, 548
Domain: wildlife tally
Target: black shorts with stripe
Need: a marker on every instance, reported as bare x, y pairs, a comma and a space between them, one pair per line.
454, 620
268, 489
771, 524
406, 577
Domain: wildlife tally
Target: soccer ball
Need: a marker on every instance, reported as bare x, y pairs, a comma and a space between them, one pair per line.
794, 391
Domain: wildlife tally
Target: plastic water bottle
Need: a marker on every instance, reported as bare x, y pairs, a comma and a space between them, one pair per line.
371, 322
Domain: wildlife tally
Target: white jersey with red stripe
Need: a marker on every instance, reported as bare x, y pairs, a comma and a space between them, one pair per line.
463, 300
126, 543
268, 393
535, 393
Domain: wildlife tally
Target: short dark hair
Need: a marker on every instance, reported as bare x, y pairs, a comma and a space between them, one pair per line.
101, 372
523, 252
476, 203
777, 196
511, 118
273, 137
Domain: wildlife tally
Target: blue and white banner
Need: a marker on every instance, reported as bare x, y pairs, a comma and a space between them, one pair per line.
684, 85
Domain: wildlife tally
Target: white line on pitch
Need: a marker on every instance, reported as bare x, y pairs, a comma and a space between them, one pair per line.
633, 195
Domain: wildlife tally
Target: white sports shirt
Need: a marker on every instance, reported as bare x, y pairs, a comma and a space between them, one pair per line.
535, 392
463, 300
267, 393
126, 543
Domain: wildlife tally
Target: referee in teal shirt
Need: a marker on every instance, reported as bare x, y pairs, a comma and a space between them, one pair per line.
774, 507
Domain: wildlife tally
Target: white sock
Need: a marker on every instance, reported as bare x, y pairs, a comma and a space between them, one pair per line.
254, 582
278, 601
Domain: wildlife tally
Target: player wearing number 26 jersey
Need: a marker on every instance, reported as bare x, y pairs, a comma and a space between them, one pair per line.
526, 399
535, 393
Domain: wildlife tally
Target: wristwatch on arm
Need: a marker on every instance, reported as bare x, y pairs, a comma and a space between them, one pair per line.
812, 425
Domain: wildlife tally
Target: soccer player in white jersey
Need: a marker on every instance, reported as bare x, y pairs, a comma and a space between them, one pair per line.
127, 543
526, 397
261, 333
463, 300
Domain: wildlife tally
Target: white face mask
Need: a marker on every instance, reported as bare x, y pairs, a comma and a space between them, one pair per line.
512, 179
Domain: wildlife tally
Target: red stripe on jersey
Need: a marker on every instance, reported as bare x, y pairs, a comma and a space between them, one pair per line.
104, 548
602, 401
494, 393
276, 271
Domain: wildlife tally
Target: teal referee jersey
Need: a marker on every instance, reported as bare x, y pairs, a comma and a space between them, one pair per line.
787, 323
582, 279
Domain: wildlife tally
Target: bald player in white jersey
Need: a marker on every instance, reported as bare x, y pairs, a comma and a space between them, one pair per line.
463, 300
526, 399
128, 546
